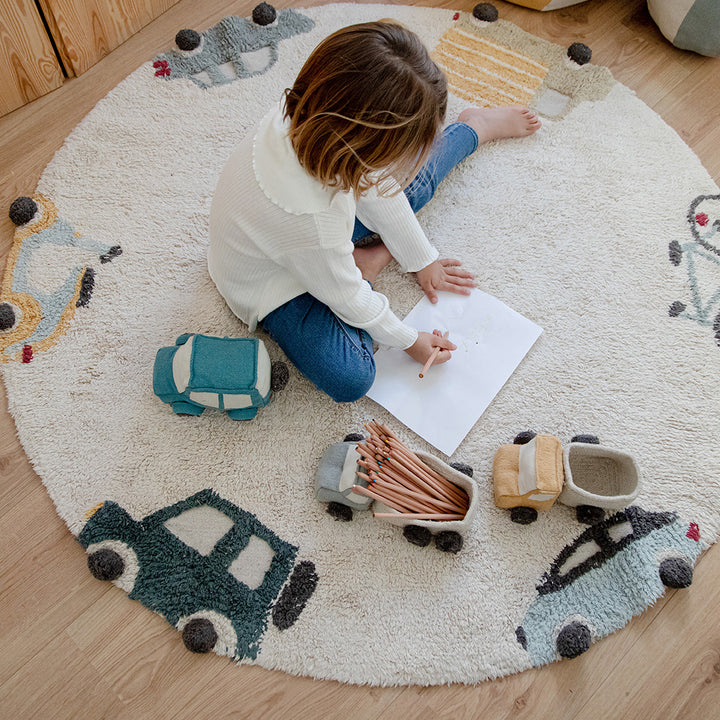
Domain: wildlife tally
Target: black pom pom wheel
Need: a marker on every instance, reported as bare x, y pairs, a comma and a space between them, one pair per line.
199, 635
279, 376
573, 640
589, 514
523, 515
464, 468
586, 438
449, 541
486, 12
353, 437
106, 564
340, 512
22, 210
188, 40
417, 535
264, 14
7, 317
579, 53
676, 573
522, 438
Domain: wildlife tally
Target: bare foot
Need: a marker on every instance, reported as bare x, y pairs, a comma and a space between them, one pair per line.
371, 260
499, 123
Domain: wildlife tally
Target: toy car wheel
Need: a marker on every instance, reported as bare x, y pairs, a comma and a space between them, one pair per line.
590, 439
113, 561
199, 635
8, 317
106, 564
463, 468
579, 53
524, 437
523, 515
573, 640
185, 409
353, 437
207, 630
22, 210
676, 572
589, 514
449, 541
339, 511
188, 40
279, 376
417, 535
294, 595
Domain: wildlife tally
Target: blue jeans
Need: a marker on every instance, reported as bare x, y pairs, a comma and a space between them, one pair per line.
335, 356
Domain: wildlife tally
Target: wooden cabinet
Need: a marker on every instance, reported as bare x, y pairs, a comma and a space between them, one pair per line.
85, 31
43, 42
29, 66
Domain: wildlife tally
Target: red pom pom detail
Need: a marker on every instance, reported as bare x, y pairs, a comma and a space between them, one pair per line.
702, 219
694, 532
456, 16
27, 353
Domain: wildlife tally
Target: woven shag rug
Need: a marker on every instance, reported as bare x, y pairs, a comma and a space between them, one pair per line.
602, 228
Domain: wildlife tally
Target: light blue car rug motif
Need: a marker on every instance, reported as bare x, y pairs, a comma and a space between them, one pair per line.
235, 48
702, 259
49, 273
614, 570
212, 570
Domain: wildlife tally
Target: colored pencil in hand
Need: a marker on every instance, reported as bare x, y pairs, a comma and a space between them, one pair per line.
432, 358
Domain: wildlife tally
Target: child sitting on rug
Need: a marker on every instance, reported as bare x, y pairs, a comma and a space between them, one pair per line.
321, 171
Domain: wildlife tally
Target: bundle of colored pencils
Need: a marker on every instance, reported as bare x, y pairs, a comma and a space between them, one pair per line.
401, 480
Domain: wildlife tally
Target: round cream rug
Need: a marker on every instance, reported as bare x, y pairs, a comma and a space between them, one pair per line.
603, 228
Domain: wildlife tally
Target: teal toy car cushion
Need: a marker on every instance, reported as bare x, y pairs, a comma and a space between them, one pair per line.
230, 374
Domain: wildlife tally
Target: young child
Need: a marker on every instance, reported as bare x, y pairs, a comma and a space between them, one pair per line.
323, 170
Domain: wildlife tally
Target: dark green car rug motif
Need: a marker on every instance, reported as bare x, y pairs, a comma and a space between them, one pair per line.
212, 570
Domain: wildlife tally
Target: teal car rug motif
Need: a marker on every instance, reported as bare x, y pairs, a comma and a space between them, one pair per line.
212, 570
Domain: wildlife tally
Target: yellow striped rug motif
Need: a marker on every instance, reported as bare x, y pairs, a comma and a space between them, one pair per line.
486, 73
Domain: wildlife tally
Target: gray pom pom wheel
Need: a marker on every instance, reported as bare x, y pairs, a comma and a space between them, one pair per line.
676, 572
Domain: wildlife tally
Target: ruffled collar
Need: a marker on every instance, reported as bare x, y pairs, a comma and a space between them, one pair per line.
279, 173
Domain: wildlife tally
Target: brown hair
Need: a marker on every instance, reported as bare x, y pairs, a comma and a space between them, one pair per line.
366, 107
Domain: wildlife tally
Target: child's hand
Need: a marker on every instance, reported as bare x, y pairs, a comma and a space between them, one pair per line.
426, 343
444, 275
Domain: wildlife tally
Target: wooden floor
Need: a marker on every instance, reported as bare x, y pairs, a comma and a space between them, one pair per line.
74, 647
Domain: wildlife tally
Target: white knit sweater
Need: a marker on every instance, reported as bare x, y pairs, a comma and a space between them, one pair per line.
276, 232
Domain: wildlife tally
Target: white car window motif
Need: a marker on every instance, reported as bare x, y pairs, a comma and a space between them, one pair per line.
253, 562
200, 527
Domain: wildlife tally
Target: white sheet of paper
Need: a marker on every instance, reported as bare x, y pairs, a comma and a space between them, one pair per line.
491, 338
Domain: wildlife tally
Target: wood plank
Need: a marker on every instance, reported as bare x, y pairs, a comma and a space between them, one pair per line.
29, 67
77, 648
89, 30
